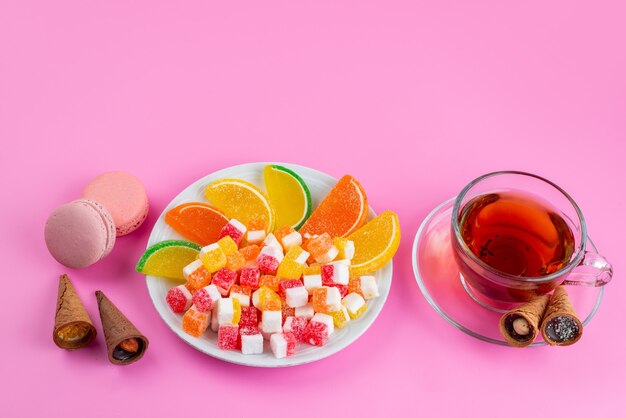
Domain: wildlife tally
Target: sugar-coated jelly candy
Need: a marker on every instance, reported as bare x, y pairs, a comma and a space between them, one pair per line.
297, 254
179, 299
195, 322
335, 274
325, 319
197, 275
213, 257
251, 341
257, 231
316, 333
272, 321
345, 248
271, 241
343, 289
228, 311
267, 280
269, 259
235, 261
283, 344
228, 337
241, 293
368, 287
228, 245
340, 317
204, 299
289, 269
249, 316
196, 221
223, 279
297, 326
249, 276
355, 304
235, 230
288, 237
326, 299
250, 252
262, 295
322, 249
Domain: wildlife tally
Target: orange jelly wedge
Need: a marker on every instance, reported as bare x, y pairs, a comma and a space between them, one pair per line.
343, 210
198, 222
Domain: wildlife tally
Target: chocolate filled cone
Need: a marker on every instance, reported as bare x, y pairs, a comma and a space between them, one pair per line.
560, 325
73, 328
117, 328
532, 312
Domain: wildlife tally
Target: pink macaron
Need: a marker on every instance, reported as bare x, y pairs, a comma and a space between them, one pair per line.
80, 233
124, 196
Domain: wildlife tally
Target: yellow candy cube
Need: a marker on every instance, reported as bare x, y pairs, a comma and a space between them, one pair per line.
228, 245
213, 257
297, 254
340, 317
289, 269
355, 304
345, 247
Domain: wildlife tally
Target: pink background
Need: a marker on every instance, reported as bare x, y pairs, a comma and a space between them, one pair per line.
413, 98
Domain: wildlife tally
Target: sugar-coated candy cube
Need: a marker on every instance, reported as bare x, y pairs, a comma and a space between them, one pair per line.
297, 254
241, 293
288, 284
340, 317
263, 295
269, 259
234, 229
345, 247
288, 237
256, 231
296, 325
354, 285
322, 249
343, 289
197, 275
325, 319
228, 337
335, 274
316, 333
289, 269
228, 311
305, 311
251, 340
249, 276
204, 299
250, 252
214, 319
235, 261
272, 305
355, 304
272, 321
195, 322
179, 299
271, 241
287, 310
213, 257
283, 344
228, 245
270, 281
368, 287
296, 296
223, 279
311, 282
326, 299
249, 317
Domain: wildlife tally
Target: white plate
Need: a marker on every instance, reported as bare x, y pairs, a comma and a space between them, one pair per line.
320, 184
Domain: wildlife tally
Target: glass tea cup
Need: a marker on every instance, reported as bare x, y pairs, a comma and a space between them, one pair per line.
516, 235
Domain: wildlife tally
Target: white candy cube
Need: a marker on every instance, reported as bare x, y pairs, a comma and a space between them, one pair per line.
312, 281
255, 237
272, 321
353, 302
291, 240
305, 311
252, 344
238, 225
296, 296
271, 241
225, 311
325, 319
278, 344
369, 288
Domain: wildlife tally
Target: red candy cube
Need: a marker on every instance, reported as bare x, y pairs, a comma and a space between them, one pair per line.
249, 317
234, 229
297, 326
179, 299
267, 264
316, 333
250, 276
223, 279
228, 337
288, 284
291, 342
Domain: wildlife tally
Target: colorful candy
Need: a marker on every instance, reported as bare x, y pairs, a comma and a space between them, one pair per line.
368, 287
322, 249
228, 311
271, 241
204, 299
262, 296
267, 280
340, 317
272, 321
195, 322
197, 275
241, 293
316, 333
251, 341
297, 254
326, 299
223, 279
335, 274
288, 237
325, 319
289, 269
305, 311
179, 299
249, 317
250, 252
345, 247
297, 326
269, 259
249, 276
228, 245
234, 229
235, 261
294, 292
228, 337
213, 257
283, 344
355, 304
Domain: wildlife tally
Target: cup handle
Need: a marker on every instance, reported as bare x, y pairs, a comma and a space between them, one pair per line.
593, 270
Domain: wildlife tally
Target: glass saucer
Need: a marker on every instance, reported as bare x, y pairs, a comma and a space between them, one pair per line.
439, 280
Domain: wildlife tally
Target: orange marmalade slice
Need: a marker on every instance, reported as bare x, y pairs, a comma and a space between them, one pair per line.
198, 222
343, 210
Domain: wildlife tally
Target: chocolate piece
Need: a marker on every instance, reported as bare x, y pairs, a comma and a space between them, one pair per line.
560, 325
73, 328
119, 333
520, 326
